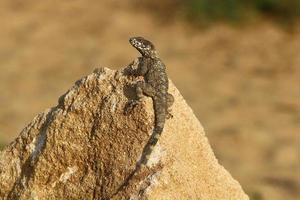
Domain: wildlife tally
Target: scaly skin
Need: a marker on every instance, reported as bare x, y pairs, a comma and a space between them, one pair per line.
156, 86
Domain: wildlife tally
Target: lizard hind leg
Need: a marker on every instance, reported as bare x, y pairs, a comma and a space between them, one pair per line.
145, 89
141, 89
170, 101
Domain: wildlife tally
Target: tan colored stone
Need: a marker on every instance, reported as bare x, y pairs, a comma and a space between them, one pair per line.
85, 147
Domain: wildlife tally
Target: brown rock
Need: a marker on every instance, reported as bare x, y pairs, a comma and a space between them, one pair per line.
85, 147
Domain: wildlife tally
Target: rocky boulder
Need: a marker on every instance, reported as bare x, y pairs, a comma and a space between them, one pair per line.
86, 147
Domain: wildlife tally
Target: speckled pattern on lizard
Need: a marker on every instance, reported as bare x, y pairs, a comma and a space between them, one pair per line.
155, 85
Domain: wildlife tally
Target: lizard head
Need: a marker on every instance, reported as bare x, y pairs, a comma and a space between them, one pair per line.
145, 47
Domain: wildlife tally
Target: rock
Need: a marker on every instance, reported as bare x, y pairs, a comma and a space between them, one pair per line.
85, 147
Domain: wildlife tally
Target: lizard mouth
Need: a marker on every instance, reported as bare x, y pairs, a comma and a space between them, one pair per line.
130, 40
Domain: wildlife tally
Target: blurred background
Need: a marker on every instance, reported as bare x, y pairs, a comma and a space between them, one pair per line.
237, 63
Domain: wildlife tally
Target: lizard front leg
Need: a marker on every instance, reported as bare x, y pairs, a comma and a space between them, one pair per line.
141, 68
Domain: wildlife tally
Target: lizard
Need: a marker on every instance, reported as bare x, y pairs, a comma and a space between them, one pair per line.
155, 85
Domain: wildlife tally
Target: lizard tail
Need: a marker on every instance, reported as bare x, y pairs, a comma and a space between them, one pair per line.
160, 117
159, 105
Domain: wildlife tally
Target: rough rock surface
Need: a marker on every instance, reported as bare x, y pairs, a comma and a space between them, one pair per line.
85, 147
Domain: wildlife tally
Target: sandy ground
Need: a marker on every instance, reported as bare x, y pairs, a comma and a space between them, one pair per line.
242, 83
